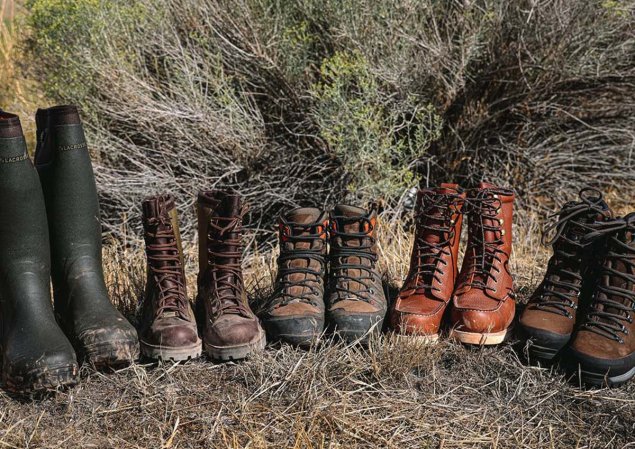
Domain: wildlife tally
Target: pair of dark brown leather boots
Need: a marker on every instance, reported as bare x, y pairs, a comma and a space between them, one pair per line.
482, 300
338, 286
168, 326
582, 313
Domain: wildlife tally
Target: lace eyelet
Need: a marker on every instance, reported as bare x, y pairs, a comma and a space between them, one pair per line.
569, 316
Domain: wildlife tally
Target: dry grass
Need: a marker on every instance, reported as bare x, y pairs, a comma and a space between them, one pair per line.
393, 394
18, 94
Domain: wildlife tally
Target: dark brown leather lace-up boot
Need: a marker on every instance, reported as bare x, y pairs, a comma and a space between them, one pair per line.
483, 306
167, 325
549, 319
295, 311
603, 348
356, 299
427, 290
229, 328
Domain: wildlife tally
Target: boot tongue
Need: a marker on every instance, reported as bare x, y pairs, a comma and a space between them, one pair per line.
349, 219
301, 216
156, 219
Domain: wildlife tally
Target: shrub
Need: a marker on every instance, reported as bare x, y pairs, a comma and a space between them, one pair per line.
311, 102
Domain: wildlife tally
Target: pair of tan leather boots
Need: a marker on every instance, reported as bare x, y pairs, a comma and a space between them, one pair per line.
167, 324
477, 303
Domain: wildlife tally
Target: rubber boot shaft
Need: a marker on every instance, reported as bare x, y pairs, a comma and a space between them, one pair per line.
101, 333
35, 352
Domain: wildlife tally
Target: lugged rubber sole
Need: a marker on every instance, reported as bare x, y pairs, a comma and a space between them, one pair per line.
239, 352
42, 379
597, 379
481, 338
537, 353
181, 354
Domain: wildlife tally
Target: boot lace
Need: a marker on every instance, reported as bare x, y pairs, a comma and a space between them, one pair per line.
429, 255
342, 255
226, 244
599, 320
567, 253
311, 276
165, 265
483, 210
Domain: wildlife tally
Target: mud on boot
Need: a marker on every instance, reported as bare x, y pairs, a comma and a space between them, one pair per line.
100, 333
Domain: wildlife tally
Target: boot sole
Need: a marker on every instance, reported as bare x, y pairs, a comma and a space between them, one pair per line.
298, 330
47, 379
431, 339
603, 380
112, 354
481, 338
181, 354
239, 352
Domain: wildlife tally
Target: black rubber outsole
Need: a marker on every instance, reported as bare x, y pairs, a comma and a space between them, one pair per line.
296, 331
42, 380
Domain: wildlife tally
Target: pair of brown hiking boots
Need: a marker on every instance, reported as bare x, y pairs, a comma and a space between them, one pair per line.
326, 275
482, 304
168, 325
582, 313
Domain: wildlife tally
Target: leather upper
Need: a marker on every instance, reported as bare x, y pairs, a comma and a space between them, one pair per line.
420, 305
484, 300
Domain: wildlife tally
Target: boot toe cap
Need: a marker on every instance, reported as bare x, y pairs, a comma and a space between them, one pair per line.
355, 325
296, 330
110, 346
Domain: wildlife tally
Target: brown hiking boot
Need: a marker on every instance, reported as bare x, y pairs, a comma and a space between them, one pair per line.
603, 349
548, 321
229, 328
421, 303
295, 311
483, 306
167, 324
356, 300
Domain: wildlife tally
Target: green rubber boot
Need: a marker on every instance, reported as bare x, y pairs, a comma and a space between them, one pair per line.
36, 354
100, 333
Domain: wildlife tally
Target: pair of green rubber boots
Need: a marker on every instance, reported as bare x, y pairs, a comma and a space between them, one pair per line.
50, 228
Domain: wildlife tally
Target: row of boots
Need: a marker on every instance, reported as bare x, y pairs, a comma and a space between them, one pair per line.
50, 230
327, 280
296, 312
581, 315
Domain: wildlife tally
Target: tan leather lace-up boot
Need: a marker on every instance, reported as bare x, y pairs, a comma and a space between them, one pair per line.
356, 303
483, 306
167, 325
427, 290
295, 311
229, 328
